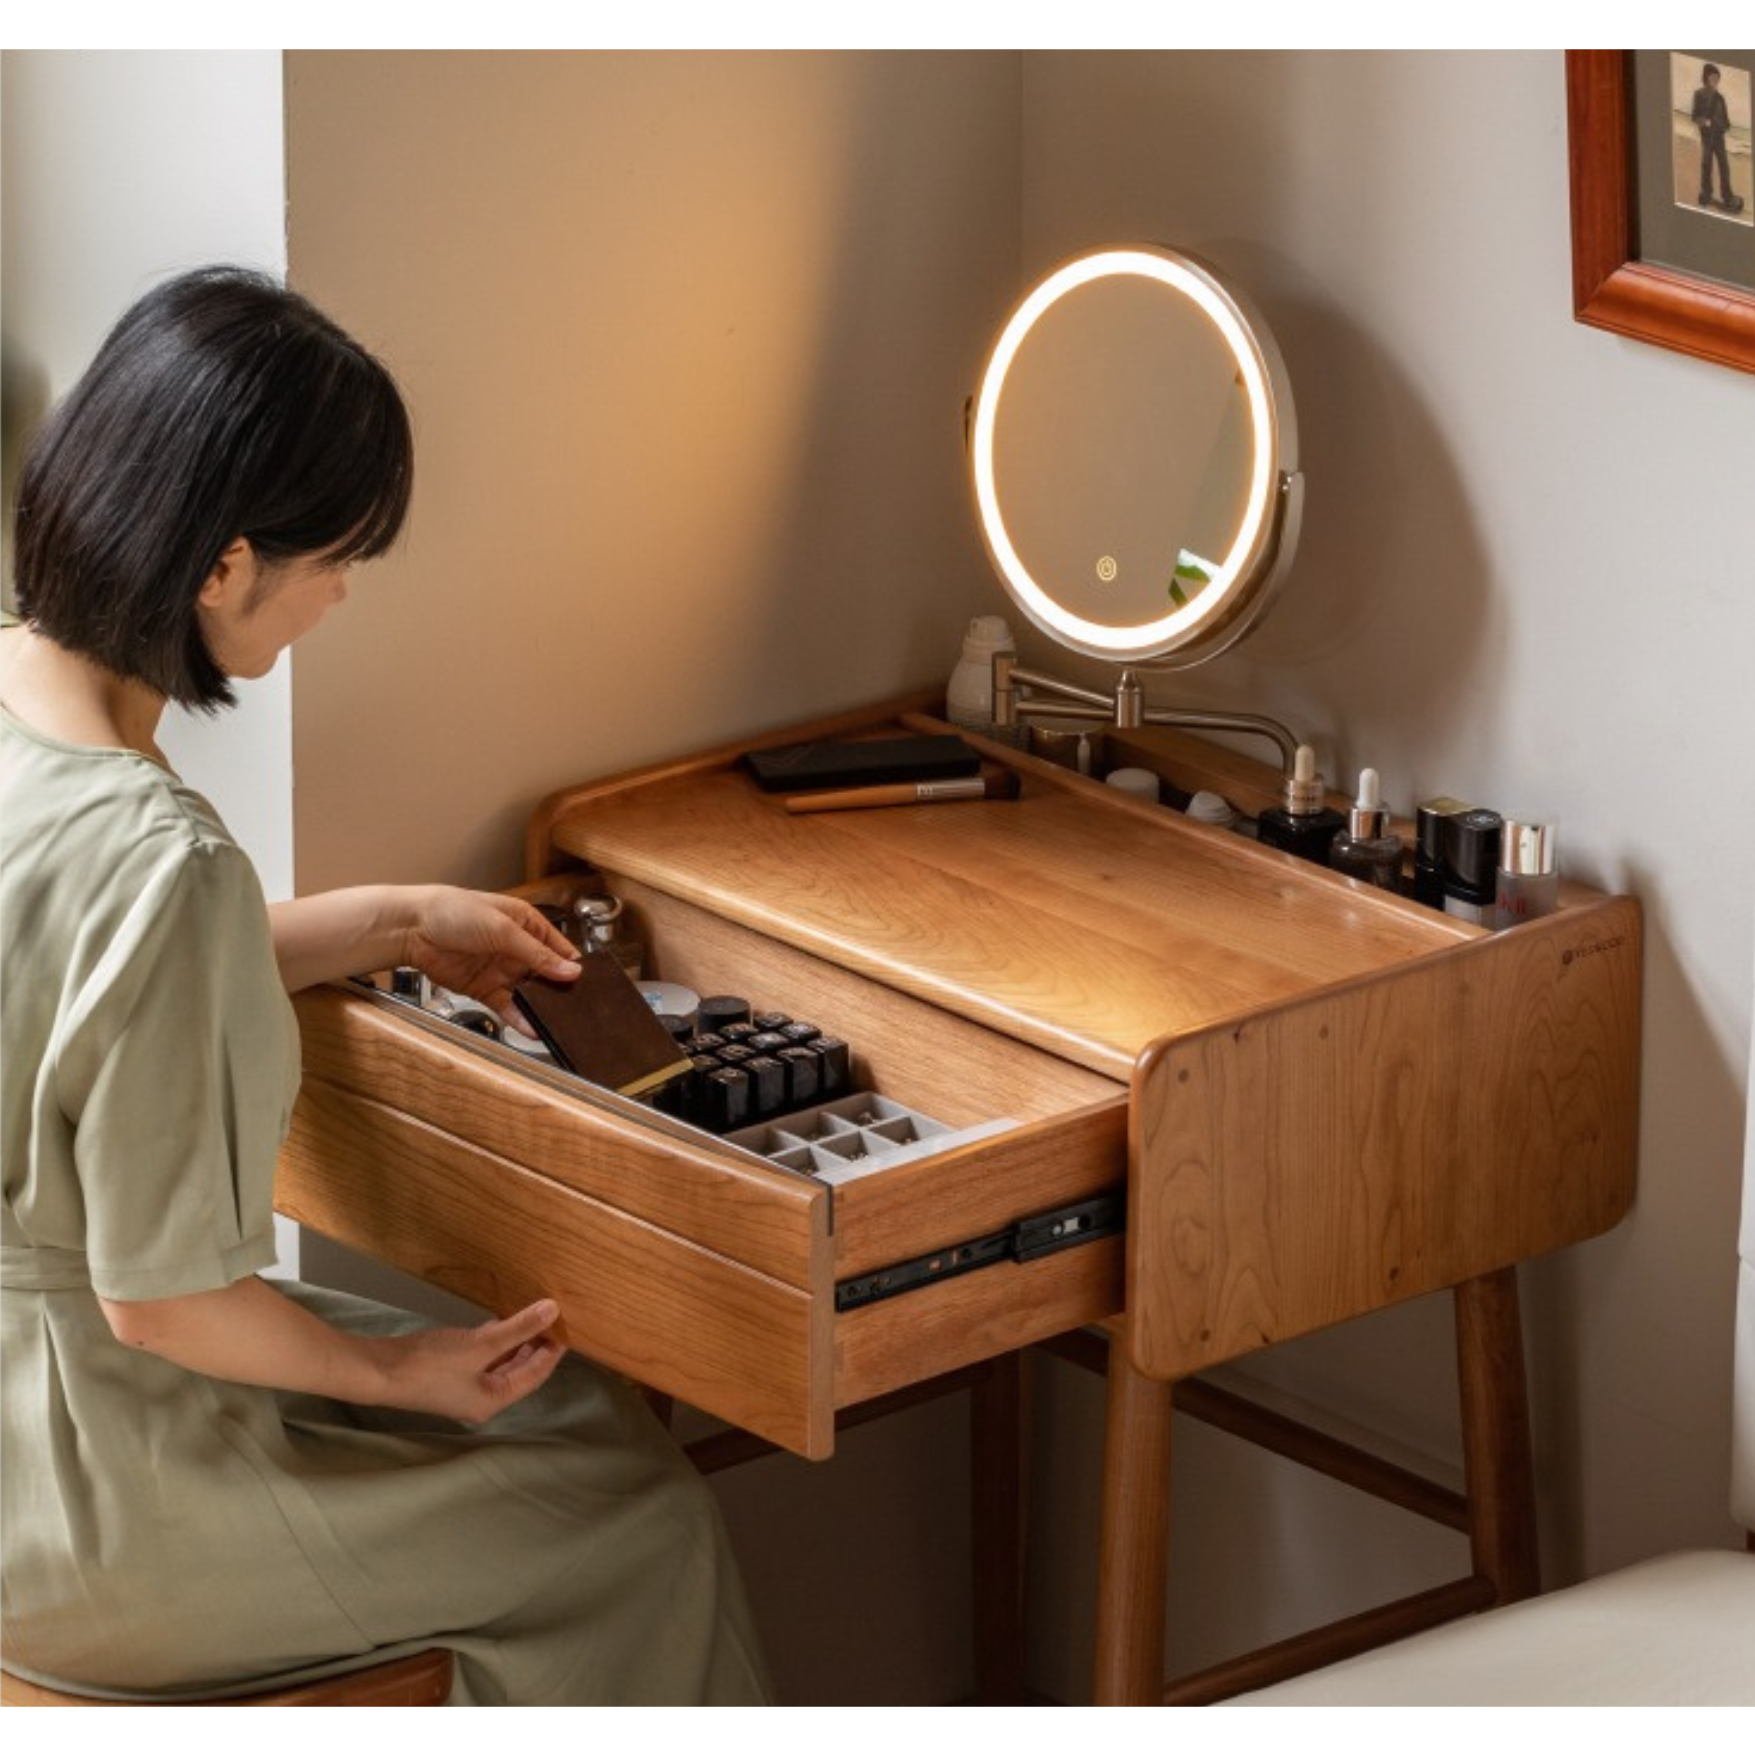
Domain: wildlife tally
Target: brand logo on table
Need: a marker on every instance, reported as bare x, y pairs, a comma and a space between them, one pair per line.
1595, 948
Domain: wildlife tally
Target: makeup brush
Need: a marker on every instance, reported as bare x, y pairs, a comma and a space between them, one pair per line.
991, 782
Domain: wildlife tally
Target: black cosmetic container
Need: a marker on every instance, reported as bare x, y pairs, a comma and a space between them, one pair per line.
834, 1064
767, 1077
804, 1078
1471, 863
720, 1009
1429, 821
725, 1100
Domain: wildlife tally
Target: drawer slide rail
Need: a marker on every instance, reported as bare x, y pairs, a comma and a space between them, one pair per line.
1028, 1240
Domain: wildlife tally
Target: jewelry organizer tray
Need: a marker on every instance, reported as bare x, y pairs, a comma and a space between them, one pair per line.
854, 1136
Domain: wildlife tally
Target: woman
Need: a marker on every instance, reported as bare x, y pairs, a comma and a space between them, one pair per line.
211, 1479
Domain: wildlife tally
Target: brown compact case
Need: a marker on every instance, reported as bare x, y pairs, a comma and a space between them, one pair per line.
599, 1026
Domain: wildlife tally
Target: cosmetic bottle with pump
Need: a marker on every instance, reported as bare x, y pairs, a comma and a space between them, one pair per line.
1302, 822
969, 694
1528, 881
1367, 848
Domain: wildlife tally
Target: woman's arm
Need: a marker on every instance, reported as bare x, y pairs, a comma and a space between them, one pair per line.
340, 933
467, 940
248, 1333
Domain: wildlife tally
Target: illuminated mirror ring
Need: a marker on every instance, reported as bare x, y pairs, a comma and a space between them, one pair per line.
1134, 458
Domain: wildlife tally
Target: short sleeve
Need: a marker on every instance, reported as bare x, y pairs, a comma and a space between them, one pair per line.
177, 1071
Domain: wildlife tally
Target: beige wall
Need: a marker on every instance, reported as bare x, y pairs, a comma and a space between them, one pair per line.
686, 339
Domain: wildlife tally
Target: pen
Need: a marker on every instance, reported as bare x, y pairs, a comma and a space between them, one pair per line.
989, 783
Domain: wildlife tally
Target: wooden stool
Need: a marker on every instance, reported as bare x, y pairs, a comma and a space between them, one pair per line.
421, 1680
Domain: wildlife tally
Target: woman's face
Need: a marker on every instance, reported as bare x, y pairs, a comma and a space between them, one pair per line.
252, 610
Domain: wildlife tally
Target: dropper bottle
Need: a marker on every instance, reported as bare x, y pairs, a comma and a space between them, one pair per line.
1367, 848
1303, 822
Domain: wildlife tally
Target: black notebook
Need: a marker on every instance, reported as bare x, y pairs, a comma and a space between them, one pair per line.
862, 761
599, 1026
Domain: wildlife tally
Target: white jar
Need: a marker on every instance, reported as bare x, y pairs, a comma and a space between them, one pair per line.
969, 695
1135, 782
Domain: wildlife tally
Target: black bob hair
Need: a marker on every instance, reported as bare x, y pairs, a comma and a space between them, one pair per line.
221, 405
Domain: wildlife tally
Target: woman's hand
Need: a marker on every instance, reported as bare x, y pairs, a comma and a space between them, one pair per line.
483, 945
467, 940
470, 1374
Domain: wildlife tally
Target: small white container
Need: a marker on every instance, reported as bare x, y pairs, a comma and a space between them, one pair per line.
1209, 807
670, 998
1135, 782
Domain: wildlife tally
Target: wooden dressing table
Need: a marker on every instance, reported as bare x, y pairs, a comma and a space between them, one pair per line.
1314, 1099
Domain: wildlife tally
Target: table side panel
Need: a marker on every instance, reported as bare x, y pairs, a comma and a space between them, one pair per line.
1386, 1138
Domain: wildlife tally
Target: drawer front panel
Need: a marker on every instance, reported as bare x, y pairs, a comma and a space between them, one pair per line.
761, 1216
976, 1317
666, 1311
938, 1202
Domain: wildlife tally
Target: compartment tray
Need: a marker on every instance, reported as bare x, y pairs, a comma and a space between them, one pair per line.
855, 1135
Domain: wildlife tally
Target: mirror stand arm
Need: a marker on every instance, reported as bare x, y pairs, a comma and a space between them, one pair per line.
1123, 709
1253, 724
1008, 674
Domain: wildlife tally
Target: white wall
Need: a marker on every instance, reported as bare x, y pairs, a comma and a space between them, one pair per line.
1525, 579
121, 169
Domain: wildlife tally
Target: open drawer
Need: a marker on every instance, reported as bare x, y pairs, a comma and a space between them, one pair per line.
756, 1292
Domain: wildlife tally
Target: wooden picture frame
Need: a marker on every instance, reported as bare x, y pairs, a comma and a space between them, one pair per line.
1611, 287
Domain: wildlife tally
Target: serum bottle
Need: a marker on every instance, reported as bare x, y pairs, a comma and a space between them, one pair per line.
1302, 822
1367, 848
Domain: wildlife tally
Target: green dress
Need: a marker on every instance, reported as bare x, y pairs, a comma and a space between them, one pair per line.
166, 1533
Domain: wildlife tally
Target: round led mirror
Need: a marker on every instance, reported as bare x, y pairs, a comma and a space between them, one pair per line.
1135, 458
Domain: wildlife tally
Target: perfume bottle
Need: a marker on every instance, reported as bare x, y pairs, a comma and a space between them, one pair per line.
1302, 823
597, 925
1367, 848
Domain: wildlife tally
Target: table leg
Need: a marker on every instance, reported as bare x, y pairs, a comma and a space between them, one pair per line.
1498, 1464
1133, 1555
998, 1450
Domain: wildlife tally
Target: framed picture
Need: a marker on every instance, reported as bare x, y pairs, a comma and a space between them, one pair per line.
1663, 207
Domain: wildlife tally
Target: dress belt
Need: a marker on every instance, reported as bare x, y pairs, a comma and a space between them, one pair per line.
30, 1267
